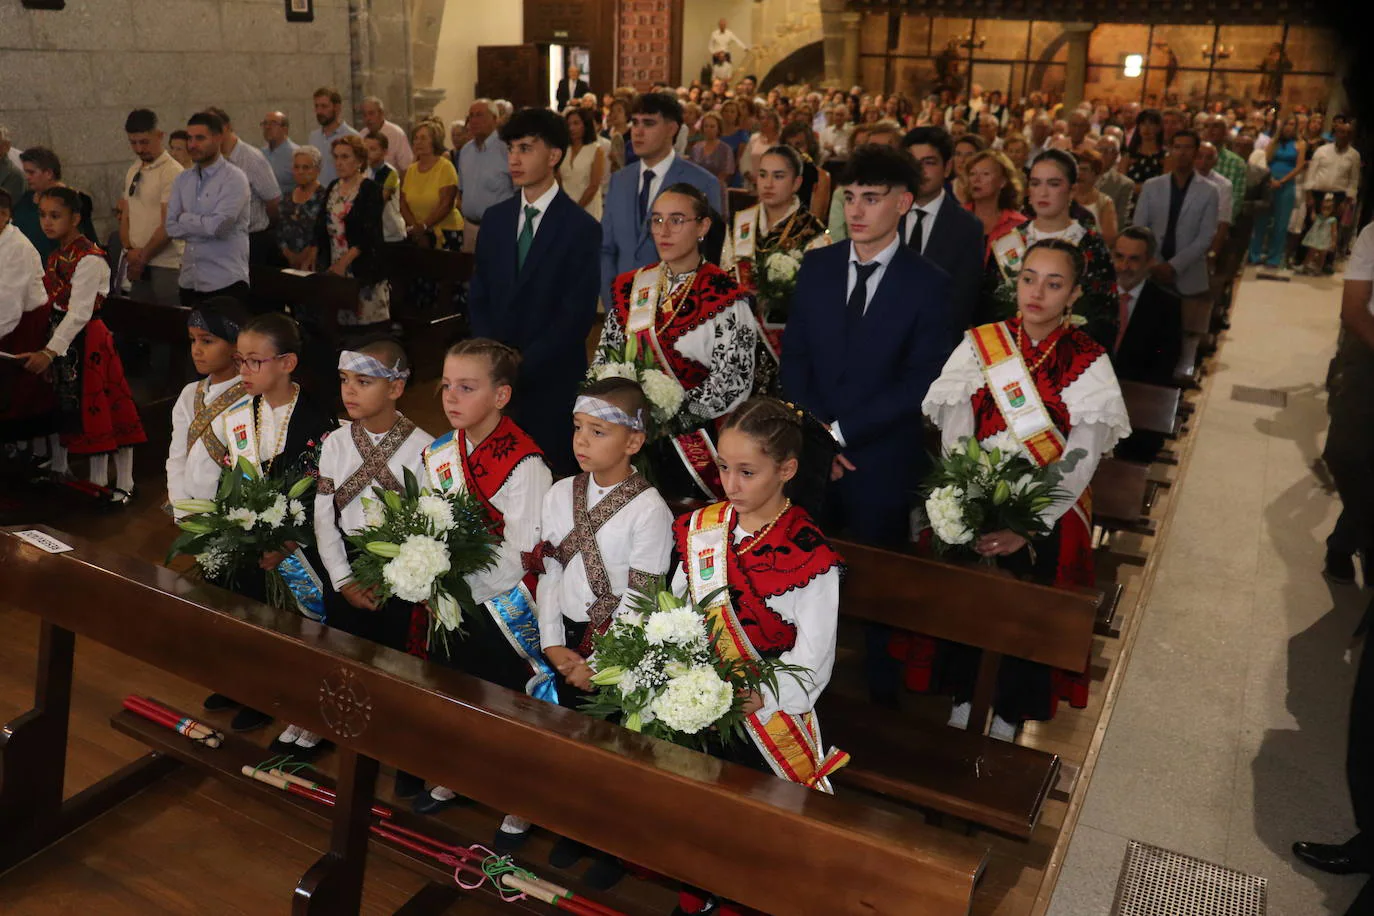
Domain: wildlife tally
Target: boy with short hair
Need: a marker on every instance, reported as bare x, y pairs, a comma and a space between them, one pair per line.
385, 175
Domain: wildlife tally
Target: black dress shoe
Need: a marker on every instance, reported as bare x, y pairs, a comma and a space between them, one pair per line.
408, 785
1342, 859
1339, 568
428, 804
604, 874
248, 719
567, 853
216, 702
506, 843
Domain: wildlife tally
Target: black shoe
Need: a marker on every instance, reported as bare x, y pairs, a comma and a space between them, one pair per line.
408, 785
1340, 568
506, 843
217, 702
604, 874
248, 719
1343, 859
428, 804
567, 853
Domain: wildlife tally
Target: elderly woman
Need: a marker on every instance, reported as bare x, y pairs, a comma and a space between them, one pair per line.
348, 233
457, 136
429, 191
995, 195
965, 148
301, 208
711, 152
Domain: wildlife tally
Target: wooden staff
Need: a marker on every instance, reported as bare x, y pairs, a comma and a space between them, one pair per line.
162, 715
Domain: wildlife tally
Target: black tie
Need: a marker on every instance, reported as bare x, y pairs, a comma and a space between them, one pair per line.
854, 311
918, 234
644, 195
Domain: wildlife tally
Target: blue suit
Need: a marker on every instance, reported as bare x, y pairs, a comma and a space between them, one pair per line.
625, 240
544, 310
873, 381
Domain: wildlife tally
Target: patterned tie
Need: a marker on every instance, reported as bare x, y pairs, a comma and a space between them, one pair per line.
644, 195
1123, 316
522, 244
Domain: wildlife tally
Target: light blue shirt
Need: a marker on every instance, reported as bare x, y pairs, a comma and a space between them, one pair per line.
483, 176
209, 210
281, 160
321, 140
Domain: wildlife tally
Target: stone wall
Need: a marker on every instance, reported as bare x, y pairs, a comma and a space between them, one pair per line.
70, 76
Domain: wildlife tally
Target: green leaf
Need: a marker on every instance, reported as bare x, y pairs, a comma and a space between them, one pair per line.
412, 486
247, 469
299, 487
393, 500
384, 549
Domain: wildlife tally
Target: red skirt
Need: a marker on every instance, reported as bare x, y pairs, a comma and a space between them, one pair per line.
109, 418
28, 402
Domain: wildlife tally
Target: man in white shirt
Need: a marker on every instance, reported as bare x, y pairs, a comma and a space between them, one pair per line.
722, 38
1206, 162
152, 259
398, 154
835, 135
266, 192
1334, 170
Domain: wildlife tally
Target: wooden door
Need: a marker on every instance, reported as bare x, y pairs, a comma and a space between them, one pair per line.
513, 72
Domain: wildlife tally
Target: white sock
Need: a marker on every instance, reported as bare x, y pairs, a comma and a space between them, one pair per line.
59, 455
290, 734
513, 824
124, 469
442, 794
100, 470
958, 716
307, 740
1003, 730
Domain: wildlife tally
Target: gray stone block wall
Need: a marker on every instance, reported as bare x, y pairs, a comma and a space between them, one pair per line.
68, 77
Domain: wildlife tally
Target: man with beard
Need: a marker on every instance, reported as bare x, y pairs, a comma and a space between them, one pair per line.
328, 113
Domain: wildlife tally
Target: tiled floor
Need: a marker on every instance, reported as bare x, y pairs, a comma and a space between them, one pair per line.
1227, 741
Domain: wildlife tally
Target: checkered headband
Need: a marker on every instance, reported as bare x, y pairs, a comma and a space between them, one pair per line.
604, 410
361, 363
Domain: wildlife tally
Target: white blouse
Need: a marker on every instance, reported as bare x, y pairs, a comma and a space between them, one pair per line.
639, 537
1096, 411
90, 279
21, 278
193, 474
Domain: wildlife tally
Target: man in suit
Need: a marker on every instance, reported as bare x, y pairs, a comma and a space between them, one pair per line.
625, 241
870, 328
1181, 210
1151, 330
535, 282
571, 88
938, 227
1113, 183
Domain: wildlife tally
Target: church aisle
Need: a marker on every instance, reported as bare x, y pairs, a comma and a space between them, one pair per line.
1227, 738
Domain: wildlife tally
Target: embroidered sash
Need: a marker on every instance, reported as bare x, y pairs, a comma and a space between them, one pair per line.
791, 744
745, 241
240, 422
697, 451
582, 540
514, 614
201, 428
1018, 400
376, 462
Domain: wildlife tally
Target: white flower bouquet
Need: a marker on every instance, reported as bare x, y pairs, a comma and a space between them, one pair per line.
977, 489
664, 393
419, 545
658, 670
251, 514
776, 281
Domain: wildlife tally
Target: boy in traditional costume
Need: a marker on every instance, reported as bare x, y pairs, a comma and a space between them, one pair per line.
782, 599
196, 456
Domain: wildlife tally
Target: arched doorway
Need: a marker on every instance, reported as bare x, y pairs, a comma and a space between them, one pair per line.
804, 65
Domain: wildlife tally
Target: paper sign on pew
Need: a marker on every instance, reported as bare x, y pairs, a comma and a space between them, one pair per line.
43, 541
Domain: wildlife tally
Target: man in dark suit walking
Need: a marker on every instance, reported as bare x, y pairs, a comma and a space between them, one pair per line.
571, 88
1150, 333
535, 282
938, 227
870, 328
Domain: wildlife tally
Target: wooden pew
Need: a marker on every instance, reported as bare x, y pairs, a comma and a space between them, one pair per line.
737, 199
1152, 408
739, 833
1186, 372
966, 774
428, 319
315, 301
155, 394
1122, 496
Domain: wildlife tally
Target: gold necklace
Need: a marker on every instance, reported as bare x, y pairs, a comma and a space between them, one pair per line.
1024, 340
676, 300
756, 540
282, 424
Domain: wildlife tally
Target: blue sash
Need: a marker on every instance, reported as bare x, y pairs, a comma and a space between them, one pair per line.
304, 584
514, 614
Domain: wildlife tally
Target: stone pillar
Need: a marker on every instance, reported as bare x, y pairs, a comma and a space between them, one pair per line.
833, 31
1076, 71
849, 67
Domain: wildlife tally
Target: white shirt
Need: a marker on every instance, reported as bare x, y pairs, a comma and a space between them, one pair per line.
90, 279
814, 609
1361, 263
1332, 170
193, 474
639, 537
1224, 191
882, 258
834, 142
932, 210
541, 203
21, 278
261, 180
721, 41
339, 459
659, 171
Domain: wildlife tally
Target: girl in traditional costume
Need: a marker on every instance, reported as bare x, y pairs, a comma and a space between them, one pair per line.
277, 429
777, 223
501, 466
196, 456
1097, 311
96, 410
694, 322
781, 599
1056, 394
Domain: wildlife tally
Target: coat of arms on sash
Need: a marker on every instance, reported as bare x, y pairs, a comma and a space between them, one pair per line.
643, 298
706, 563
744, 231
445, 476
1015, 396
241, 436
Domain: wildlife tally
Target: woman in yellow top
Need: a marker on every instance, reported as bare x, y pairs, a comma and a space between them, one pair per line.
429, 191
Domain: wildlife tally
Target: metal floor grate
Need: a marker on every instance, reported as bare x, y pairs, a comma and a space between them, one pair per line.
1267, 397
1158, 882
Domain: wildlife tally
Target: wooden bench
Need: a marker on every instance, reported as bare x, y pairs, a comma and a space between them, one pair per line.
315, 300
426, 310
739, 833
737, 199
1186, 372
155, 392
965, 774
1122, 496
1152, 408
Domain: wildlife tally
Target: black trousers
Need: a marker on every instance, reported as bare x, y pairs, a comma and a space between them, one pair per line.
1349, 452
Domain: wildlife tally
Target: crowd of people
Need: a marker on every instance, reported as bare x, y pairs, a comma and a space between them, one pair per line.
935, 248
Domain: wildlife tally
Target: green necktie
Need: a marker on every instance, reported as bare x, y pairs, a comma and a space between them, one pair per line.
526, 239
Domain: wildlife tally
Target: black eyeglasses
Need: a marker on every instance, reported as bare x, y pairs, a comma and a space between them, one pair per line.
133, 185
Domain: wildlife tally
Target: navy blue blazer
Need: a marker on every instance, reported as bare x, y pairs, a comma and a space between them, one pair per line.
955, 244
874, 383
625, 240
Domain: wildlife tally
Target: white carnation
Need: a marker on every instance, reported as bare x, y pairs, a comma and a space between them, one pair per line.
615, 370
438, 511
680, 626
944, 508
246, 518
411, 573
374, 515
662, 390
693, 701
782, 266
274, 515
297, 511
